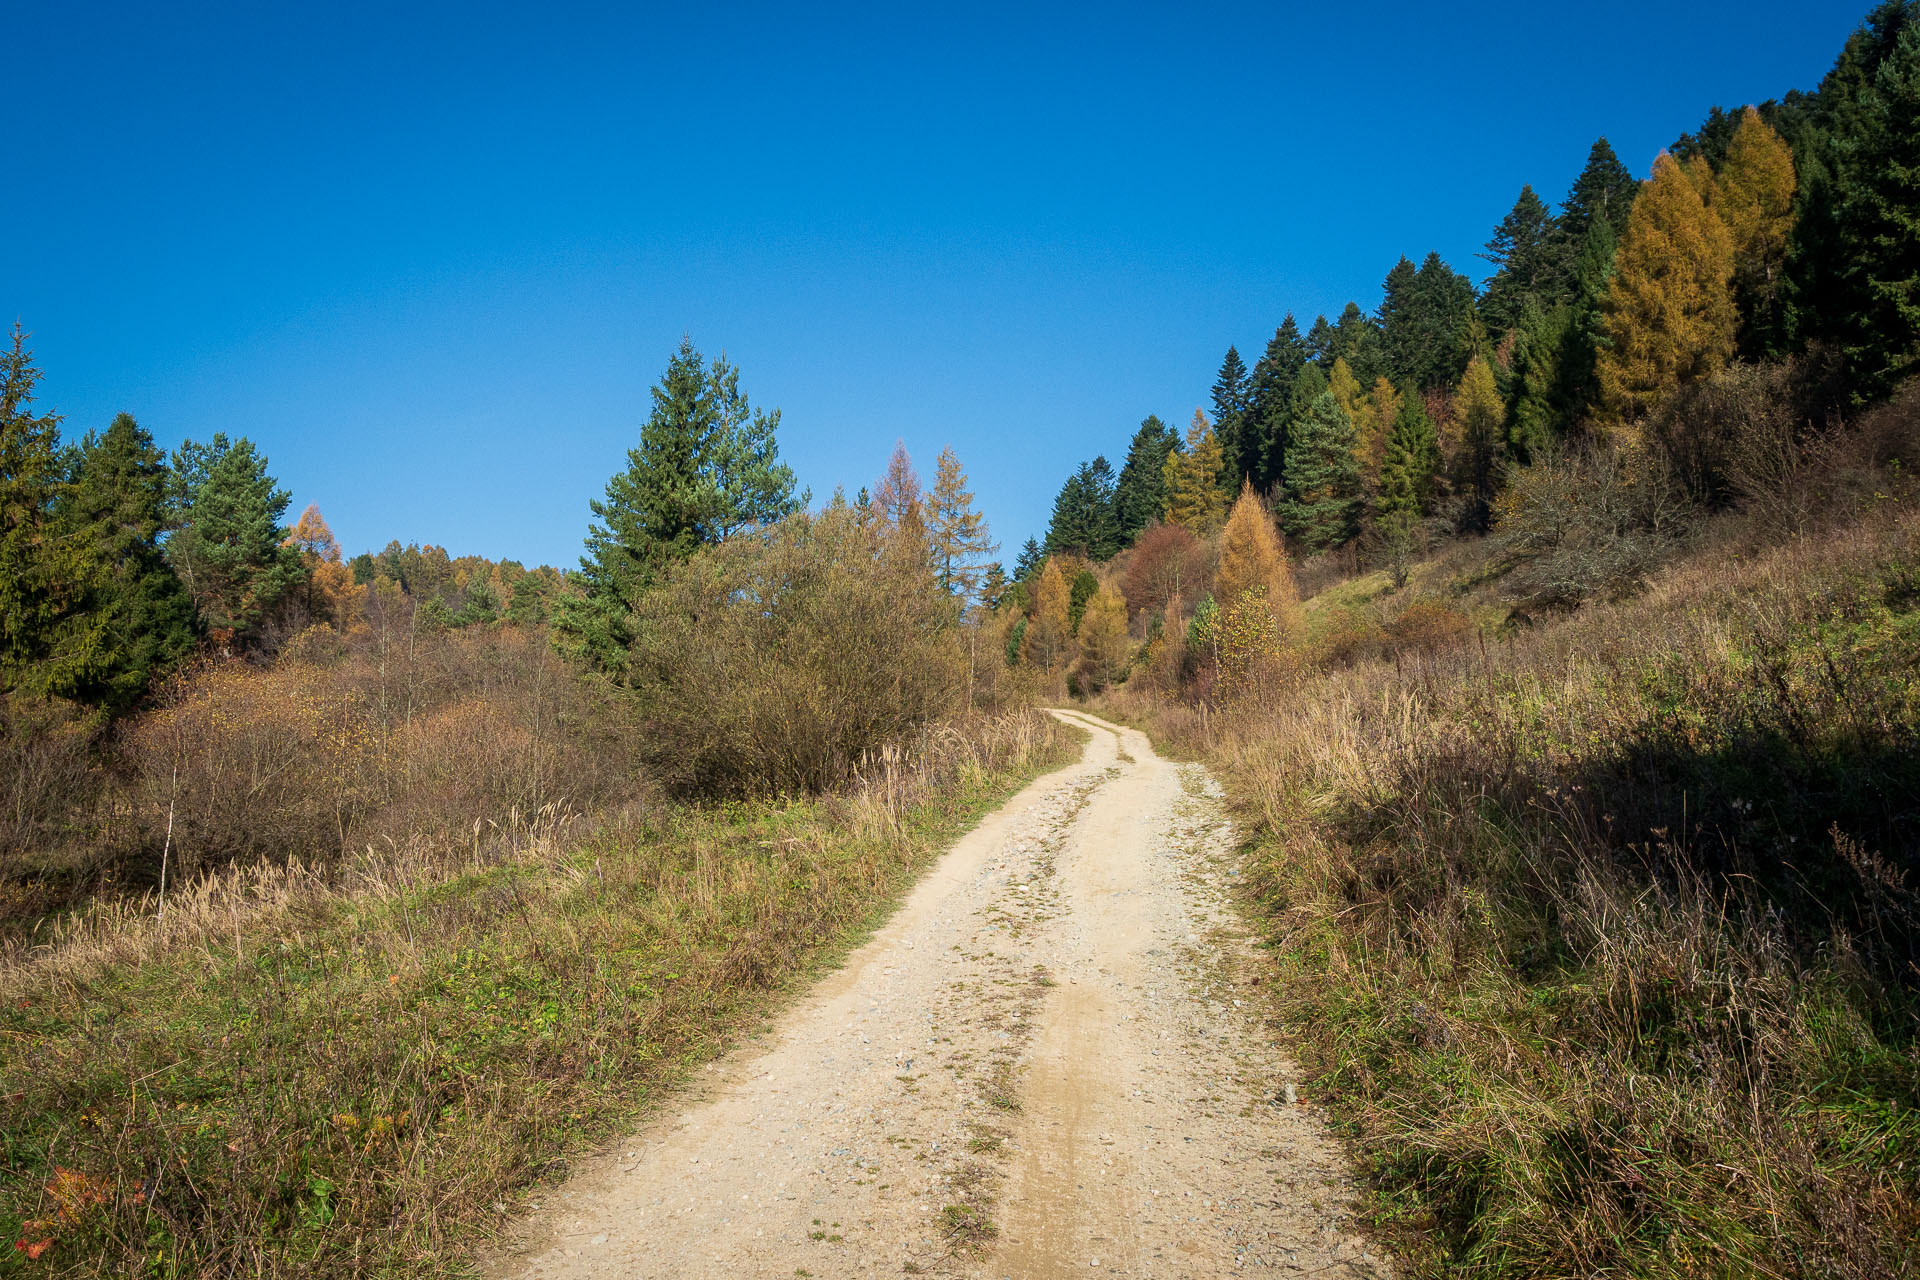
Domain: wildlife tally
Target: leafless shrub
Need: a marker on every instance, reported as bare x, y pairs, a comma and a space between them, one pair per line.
1575, 526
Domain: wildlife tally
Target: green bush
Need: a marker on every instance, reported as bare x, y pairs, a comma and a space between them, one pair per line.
777, 662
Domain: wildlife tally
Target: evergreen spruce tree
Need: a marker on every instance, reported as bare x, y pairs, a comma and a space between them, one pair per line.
53, 638
1427, 322
1270, 403
1028, 563
1874, 307
1083, 516
229, 547
1821, 306
1399, 324
1604, 192
1356, 340
1323, 496
1576, 379
1670, 312
1410, 461
993, 585
707, 466
1539, 341
1523, 252
1308, 387
117, 508
1141, 492
1229, 418
1321, 343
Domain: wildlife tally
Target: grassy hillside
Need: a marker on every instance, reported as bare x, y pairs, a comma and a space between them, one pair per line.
1600, 934
352, 1070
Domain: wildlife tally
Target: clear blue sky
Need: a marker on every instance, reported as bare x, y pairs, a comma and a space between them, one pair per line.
431, 260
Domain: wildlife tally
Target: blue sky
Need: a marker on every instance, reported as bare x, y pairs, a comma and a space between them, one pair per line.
431, 259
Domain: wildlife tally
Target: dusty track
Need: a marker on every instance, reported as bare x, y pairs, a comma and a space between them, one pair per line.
1050, 1062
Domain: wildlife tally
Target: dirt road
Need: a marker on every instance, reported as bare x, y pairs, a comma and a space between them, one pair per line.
1050, 1062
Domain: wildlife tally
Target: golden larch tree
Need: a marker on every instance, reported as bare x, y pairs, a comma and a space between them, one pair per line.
958, 532
1347, 391
1049, 636
1754, 197
1669, 309
1479, 417
1253, 568
1383, 406
1194, 500
1104, 647
330, 594
897, 496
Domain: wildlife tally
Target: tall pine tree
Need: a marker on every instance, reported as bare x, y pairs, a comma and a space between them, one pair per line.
1083, 516
1522, 251
1604, 192
1411, 459
1323, 495
1229, 418
53, 641
117, 507
1270, 402
707, 466
1855, 261
1356, 339
1427, 322
1141, 493
229, 547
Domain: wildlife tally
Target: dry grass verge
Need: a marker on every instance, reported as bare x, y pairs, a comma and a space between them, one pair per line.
350, 1070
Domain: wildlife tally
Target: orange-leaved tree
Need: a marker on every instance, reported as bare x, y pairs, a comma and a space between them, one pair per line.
330, 594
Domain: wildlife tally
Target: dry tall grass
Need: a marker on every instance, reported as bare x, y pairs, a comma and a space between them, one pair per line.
348, 1068
1603, 934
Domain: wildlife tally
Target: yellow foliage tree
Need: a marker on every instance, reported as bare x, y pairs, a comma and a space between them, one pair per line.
1346, 389
1194, 500
1104, 647
1479, 416
1049, 636
330, 594
1669, 310
1254, 564
1383, 406
1754, 197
